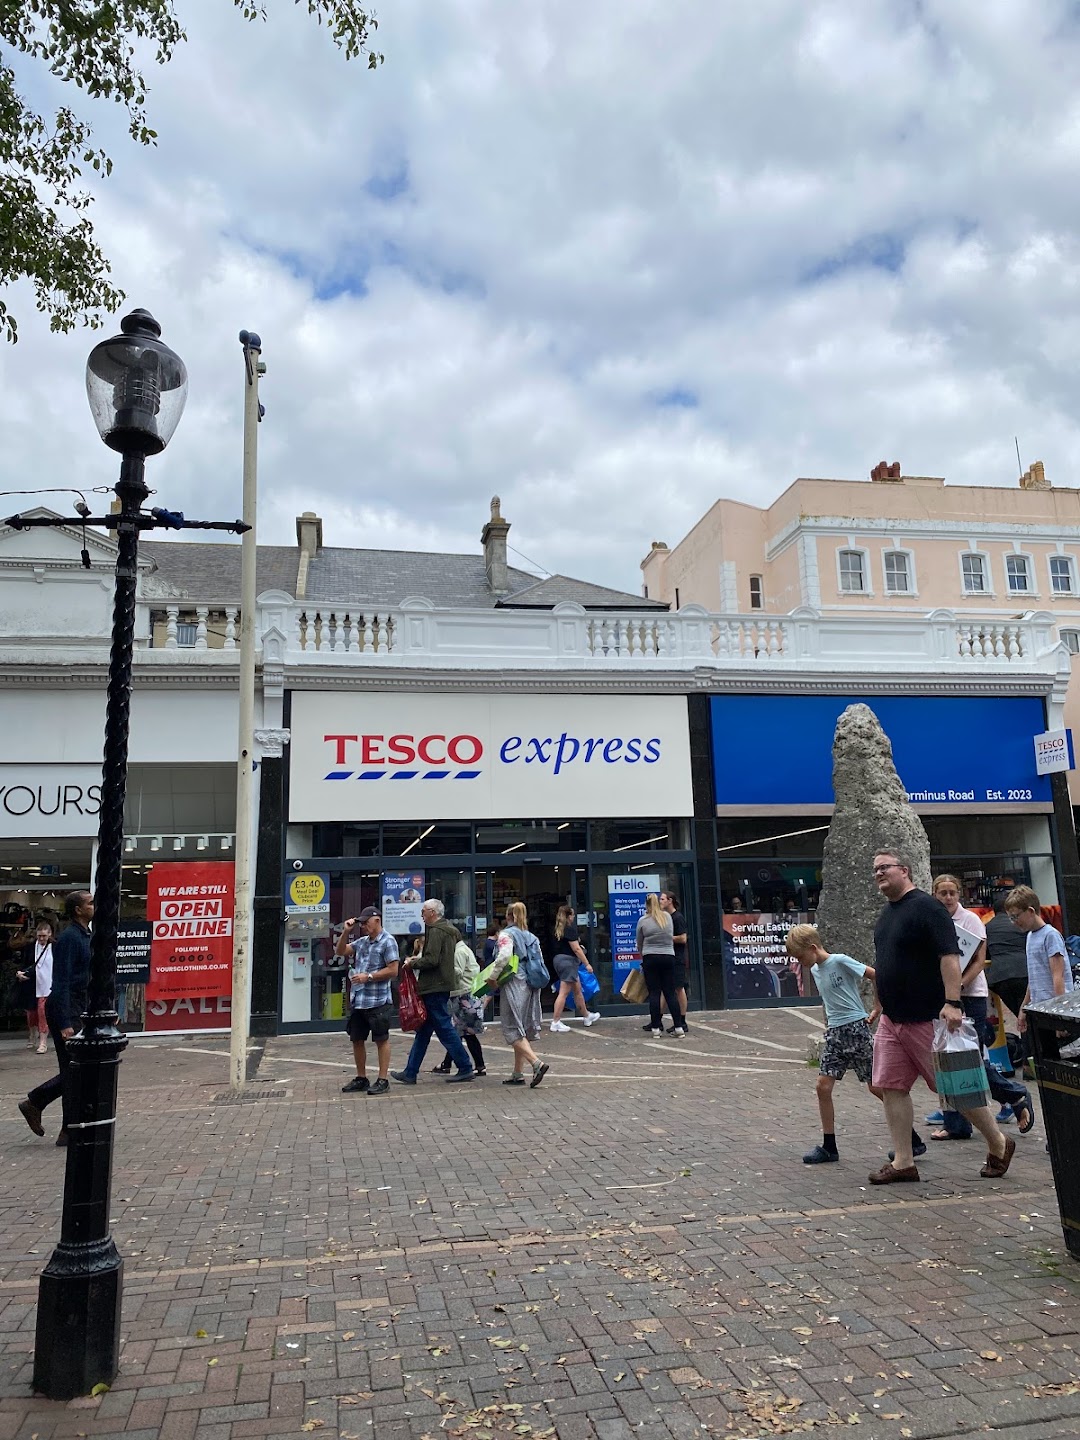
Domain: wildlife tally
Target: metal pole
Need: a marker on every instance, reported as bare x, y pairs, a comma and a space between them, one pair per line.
79, 1295
245, 776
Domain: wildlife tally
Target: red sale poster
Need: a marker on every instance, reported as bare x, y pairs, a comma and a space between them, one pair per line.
190, 908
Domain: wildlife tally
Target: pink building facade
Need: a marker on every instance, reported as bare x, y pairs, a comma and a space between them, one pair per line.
991, 575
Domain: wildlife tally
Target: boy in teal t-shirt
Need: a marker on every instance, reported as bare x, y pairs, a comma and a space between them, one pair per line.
849, 1043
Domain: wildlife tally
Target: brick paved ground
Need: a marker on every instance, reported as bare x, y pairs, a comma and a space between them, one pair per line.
633, 1249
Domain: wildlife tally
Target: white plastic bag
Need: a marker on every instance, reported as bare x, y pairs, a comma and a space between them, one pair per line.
958, 1065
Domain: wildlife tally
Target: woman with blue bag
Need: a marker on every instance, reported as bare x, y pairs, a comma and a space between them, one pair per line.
519, 993
567, 962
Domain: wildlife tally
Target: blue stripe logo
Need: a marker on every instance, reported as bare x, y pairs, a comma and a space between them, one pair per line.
403, 775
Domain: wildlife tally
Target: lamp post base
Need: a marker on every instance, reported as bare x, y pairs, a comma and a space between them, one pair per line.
79, 1293
78, 1320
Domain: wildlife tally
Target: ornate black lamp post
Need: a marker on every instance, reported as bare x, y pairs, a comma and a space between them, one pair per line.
137, 388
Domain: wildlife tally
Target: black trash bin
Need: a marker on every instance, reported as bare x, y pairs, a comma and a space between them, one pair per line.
1055, 1033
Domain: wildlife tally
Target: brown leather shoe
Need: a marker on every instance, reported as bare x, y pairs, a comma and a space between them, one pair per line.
996, 1165
32, 1115
890, 1175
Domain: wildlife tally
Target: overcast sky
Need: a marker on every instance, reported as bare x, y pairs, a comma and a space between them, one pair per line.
610, 260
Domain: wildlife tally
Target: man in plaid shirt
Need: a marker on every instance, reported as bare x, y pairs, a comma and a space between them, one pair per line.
374, 965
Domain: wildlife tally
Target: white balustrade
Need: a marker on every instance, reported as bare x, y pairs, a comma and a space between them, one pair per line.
420, 635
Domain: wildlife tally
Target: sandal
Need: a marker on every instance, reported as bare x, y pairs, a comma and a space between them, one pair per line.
443, 1069
996, 1166
946, 1135
1025, 1115
515, 1080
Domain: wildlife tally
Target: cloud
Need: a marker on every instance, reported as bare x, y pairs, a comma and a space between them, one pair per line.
608, 261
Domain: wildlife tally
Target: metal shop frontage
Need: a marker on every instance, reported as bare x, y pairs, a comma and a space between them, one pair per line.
478, 800
968, 764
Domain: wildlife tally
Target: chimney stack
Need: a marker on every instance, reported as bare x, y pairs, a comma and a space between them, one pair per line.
884, 471
1035, 478
493, 539
309, 533
309, 539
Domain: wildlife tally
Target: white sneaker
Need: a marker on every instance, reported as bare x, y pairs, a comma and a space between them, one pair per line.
679, 1032
558, 1028
656, 1032
591, 1018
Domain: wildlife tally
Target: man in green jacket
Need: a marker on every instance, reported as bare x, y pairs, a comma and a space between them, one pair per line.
434, 968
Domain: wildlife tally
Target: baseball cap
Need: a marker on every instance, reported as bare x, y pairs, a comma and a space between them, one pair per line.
370, 913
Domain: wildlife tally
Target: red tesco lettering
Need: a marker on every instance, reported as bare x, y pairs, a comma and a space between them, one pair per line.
407, 749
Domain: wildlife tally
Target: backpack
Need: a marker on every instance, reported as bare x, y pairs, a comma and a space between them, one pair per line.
527, 949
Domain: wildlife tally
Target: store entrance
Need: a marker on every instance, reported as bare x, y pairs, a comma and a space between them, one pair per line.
542, 889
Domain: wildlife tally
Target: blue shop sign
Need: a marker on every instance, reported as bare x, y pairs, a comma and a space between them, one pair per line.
777, 749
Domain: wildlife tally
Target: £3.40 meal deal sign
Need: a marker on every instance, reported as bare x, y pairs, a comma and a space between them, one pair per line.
458, 757
190, 910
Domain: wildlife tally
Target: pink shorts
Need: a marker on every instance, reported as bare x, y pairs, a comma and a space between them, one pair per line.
903, 1052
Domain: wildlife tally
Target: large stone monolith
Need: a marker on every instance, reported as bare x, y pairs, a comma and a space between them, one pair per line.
872, 813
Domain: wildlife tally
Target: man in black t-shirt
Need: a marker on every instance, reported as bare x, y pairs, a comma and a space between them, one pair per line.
917, 965
669, 902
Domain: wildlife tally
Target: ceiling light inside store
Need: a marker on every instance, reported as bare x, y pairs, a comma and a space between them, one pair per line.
129, 844
768, 839
178, 842
155, 843
510, 849
416, 842
636, 845
226, 842
202, 842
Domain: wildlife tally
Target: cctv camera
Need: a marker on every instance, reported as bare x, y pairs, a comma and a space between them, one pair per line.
298, 864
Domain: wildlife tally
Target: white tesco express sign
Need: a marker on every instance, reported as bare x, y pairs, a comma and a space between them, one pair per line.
487, 757
1053, 751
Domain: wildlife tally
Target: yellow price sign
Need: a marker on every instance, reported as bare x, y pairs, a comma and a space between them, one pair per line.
307, 890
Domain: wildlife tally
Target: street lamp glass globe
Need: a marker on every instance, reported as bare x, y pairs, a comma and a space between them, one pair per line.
137, 387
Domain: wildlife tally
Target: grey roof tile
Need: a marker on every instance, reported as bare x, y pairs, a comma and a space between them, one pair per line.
211, 573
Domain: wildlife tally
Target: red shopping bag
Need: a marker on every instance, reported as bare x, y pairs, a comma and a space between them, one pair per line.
412, 1012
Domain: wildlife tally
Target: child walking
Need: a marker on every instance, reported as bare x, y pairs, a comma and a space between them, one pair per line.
849, 1044
1049, 971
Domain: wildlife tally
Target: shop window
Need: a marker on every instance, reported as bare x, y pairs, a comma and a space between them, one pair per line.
1018, 574
353, 839
852, 572
1061, 575
898, 572
414, 837
508, 837
974, 571
757, 592
640, 835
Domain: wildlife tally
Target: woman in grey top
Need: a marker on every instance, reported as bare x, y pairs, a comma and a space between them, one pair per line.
656, 946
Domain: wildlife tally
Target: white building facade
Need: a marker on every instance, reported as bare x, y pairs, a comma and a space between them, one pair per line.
446, 726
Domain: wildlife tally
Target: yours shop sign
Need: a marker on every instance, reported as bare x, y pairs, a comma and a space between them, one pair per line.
458, 757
